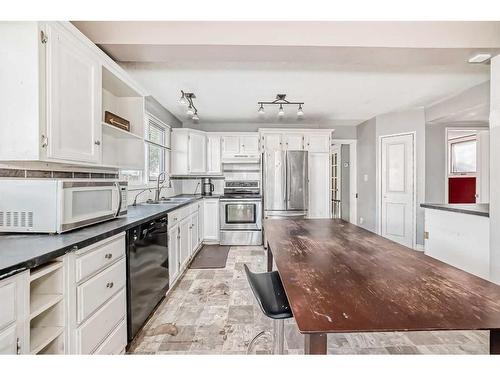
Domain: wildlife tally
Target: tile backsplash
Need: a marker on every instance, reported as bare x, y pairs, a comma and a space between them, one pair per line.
35, 173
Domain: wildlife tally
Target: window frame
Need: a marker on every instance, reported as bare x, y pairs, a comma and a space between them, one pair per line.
452, 142
151, 120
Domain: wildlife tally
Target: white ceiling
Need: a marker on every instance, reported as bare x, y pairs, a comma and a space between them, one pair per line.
340, 85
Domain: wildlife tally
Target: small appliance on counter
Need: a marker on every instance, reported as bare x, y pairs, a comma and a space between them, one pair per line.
147, 271
59, 205
207, 187
241, 213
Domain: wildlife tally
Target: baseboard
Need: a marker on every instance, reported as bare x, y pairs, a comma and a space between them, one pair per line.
419, 247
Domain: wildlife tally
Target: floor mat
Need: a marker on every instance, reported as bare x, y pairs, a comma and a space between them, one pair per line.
210, 256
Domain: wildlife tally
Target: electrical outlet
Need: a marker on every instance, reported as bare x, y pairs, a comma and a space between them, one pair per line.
361, 220
365, 177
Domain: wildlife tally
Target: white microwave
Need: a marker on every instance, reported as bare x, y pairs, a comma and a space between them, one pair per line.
60, 205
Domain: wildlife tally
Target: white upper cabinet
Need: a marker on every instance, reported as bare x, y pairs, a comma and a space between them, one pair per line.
73, 99
272, 142
294, 141
240, 148
249, 144
52, 96
189, 152
214, 165
197, 150
230, 145
317, 142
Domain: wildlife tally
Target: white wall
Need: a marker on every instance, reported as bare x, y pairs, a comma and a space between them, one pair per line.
495, 171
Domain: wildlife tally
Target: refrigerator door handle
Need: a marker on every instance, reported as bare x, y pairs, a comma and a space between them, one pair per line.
287, 182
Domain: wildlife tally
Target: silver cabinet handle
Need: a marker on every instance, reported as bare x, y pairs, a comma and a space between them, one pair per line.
97, 142
108, 256
109, 285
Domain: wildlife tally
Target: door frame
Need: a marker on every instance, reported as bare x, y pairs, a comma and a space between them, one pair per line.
447, 155
414, 185
353, 177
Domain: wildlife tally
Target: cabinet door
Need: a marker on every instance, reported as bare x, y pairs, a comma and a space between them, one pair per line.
249, 144
230, 145
273, 142
194, 233
184, 241
197, 153
73, 99
179, 160
294, 142
173, 253
317, 143
214, 165
319, 185
211, 219
8, 340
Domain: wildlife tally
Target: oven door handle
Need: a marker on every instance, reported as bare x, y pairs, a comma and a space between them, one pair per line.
117, 184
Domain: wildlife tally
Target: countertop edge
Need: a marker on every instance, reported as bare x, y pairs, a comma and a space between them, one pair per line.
462, 210
79, 244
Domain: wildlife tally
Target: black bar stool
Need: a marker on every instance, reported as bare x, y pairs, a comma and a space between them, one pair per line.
269, 292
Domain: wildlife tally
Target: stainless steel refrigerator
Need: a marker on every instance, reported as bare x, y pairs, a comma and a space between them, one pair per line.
285, 180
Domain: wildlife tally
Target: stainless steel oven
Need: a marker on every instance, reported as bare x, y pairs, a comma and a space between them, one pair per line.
241, 213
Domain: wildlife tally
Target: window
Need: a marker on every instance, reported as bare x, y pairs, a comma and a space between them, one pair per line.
463, 156
157, 147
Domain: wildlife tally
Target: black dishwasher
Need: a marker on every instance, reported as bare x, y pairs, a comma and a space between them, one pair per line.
147, 271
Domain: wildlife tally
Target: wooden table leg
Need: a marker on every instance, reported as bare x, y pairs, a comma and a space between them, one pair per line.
269, 259
495, 341
315, 343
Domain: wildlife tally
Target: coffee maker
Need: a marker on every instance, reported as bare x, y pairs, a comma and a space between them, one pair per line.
206, 186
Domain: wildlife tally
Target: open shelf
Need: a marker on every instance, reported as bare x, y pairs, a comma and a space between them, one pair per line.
44, 270
42, 302
43, 336
47, 309
119, 133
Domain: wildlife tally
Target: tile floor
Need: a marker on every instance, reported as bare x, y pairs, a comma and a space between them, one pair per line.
214, 312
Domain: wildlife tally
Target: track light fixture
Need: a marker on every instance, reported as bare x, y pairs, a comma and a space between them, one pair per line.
281, 101
187, 99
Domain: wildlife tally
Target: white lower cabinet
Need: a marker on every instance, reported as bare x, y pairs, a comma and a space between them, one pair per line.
97, 298
14, 313
211, 220
184, 241
184, 238
173, 253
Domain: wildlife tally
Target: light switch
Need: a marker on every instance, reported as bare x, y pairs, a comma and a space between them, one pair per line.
365, 177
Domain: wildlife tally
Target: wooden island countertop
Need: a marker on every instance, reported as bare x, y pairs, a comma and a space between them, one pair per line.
339, 277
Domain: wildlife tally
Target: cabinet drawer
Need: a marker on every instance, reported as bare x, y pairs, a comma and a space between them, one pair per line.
99, 258
116, 341
9, 303
94, 292
99, 326
176, 216
8, 341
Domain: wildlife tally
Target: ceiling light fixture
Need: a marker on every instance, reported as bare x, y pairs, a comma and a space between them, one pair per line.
300, 112
183, 100
480, 58
281, 111
261, 110
187, 98
281, 101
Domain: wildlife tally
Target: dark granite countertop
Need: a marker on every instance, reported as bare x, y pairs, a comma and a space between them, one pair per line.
480, 209
23, 251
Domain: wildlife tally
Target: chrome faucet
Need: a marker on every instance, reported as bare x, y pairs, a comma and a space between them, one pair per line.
160, 180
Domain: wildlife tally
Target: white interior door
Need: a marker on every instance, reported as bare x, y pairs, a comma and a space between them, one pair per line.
397, 203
